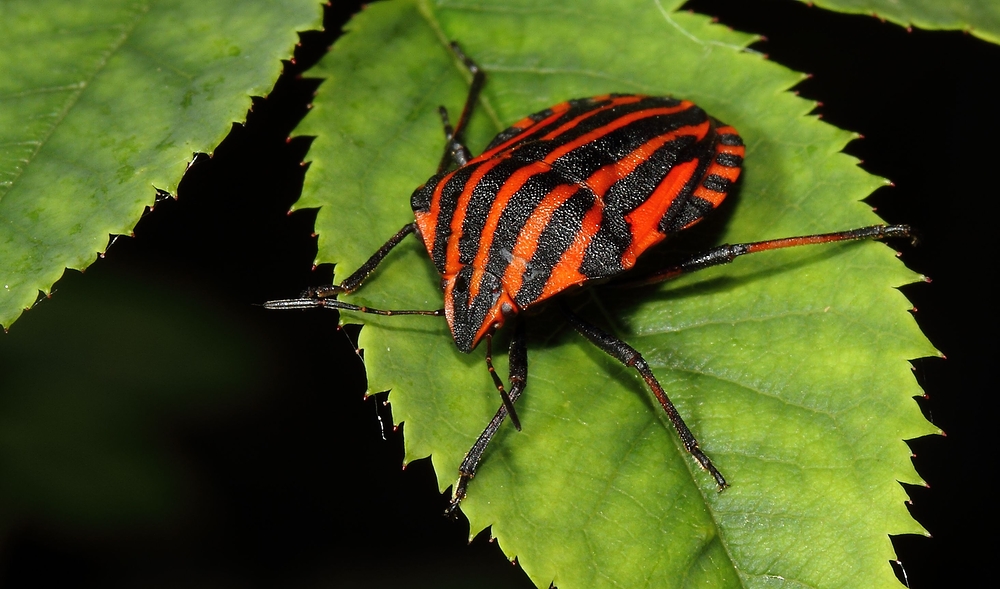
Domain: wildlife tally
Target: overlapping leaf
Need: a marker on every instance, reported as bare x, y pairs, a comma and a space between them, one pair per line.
102, 102
791, 367
979, 17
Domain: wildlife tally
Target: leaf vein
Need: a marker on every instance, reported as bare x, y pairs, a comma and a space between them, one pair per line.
43, 90
74, 97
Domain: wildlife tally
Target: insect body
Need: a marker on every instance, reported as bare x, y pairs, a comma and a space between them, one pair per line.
568, 195
564, 197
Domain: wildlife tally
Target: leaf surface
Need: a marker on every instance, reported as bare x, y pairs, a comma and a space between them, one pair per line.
979, 17
789, 366
102, 102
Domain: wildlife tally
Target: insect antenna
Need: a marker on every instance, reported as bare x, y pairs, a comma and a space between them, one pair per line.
329, 303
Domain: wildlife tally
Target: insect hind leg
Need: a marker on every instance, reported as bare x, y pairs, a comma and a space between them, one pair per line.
726, 253
630, 357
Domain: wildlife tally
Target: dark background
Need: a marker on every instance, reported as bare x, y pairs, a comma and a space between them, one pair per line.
160, 429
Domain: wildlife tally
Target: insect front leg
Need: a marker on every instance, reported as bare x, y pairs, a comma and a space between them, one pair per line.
326, 296
630, 357
518, 361
354, 281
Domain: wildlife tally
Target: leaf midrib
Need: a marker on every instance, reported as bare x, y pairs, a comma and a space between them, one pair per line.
427, 12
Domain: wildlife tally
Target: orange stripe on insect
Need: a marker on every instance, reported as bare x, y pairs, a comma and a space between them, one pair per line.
509, 188
526, 125
495, 317
452, 264
427, 221
711, 193
527, 238
602, 180
711, 196
590, 113
566, 272
645, 219
737, 150
618, 123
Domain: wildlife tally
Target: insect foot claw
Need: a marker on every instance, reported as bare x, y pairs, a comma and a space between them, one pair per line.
327, 291
898, 232
706, 463
457, 495
311, 298
451, 512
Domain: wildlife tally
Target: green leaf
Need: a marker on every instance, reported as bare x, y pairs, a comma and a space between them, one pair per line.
979, 17
101, 101
791, 366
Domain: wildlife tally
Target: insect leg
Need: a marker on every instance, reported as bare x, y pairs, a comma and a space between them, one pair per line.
725, 254
454, 149
499, 384
629, 356
354, 281
326, 296
518, 360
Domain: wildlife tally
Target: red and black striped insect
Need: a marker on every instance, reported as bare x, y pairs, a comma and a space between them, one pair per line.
565, 197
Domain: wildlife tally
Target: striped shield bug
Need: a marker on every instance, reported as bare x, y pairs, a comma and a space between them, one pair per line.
564, 198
